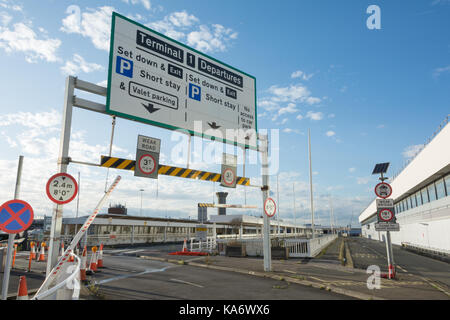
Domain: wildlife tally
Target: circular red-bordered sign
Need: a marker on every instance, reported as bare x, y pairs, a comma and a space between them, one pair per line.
145, 167
61, 188
15, 216
386, 215
270, 207
383, 190
225, 177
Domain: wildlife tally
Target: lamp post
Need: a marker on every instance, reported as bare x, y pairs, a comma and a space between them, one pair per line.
140, 212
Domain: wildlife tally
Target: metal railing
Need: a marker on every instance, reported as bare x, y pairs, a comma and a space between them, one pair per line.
203, 246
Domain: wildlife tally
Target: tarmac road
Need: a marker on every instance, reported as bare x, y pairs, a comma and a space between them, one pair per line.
130, 277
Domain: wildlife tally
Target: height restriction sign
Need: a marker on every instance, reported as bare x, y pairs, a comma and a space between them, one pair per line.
61, 188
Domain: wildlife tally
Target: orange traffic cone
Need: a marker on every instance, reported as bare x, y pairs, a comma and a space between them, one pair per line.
185, 246
42, 254
83, 266
100, 257
33, 252
391, 271
22, 294
93, 263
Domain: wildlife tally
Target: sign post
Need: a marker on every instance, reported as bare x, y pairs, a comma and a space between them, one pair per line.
19, 216
228, 172
264, 149
147, 157
386, 214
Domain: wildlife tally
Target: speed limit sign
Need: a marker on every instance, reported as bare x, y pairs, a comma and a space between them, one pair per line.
386, 215
61, 188
147, 164
270, 207
229, 177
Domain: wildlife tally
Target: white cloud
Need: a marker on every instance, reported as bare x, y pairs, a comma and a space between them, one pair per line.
363, 180
330, 133
438, 71
208, 40
5, 18
299, 117
146, 3
314, 115
411, 151
78, 64
290, 130
381, 126
21, 38
179, 26
94, 24
13, 7
300, 74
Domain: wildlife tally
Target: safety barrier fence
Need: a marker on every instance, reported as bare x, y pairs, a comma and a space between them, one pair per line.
67, 289
203, 246
297, 247
434, 251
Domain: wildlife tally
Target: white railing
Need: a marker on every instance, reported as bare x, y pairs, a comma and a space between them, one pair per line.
203, 246
436, 251
67, 289
297, 248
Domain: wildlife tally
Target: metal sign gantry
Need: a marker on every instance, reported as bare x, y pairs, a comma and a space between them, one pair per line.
71, 101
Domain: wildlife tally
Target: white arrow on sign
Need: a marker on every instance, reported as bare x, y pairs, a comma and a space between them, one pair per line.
61, 188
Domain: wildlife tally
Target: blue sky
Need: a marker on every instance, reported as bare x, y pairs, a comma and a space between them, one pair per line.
367, 96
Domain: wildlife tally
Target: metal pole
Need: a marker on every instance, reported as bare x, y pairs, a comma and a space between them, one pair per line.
389, 252
278, 204
55, 231
265, 191
5, 284
113, 125
78, 195
311, 184
243, 174
295, 214
189, 150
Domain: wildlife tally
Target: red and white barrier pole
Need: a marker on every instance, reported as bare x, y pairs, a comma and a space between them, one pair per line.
100, 257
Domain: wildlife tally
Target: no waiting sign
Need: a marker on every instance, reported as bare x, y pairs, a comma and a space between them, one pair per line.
61, 188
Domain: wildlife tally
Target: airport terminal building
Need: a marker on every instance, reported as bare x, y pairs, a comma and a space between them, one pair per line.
421, 193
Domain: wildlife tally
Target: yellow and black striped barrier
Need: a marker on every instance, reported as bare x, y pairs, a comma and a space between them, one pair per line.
125, 164
209, 205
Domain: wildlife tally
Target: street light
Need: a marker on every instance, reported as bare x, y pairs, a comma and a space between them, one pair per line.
140, 212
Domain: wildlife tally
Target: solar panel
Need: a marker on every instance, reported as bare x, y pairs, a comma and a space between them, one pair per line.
380, 168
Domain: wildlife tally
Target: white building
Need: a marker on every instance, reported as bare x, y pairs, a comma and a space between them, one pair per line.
421, 193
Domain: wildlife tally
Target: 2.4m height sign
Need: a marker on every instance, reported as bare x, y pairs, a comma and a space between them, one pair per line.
157, 80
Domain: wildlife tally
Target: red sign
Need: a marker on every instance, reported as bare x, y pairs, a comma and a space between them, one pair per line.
270, 207
383, 190
61, 188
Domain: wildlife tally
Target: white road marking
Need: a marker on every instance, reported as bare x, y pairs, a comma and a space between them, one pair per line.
186, 282
131, 275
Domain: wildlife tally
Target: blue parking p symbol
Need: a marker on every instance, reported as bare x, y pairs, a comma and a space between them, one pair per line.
195, 92
124, 67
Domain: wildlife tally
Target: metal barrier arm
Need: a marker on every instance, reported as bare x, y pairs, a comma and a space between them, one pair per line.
60, 285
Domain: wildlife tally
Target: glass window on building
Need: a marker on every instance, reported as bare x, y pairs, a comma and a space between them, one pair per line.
419, 198
431, 192
406, 204
447, 184
412, 200
424, 193
440, 189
